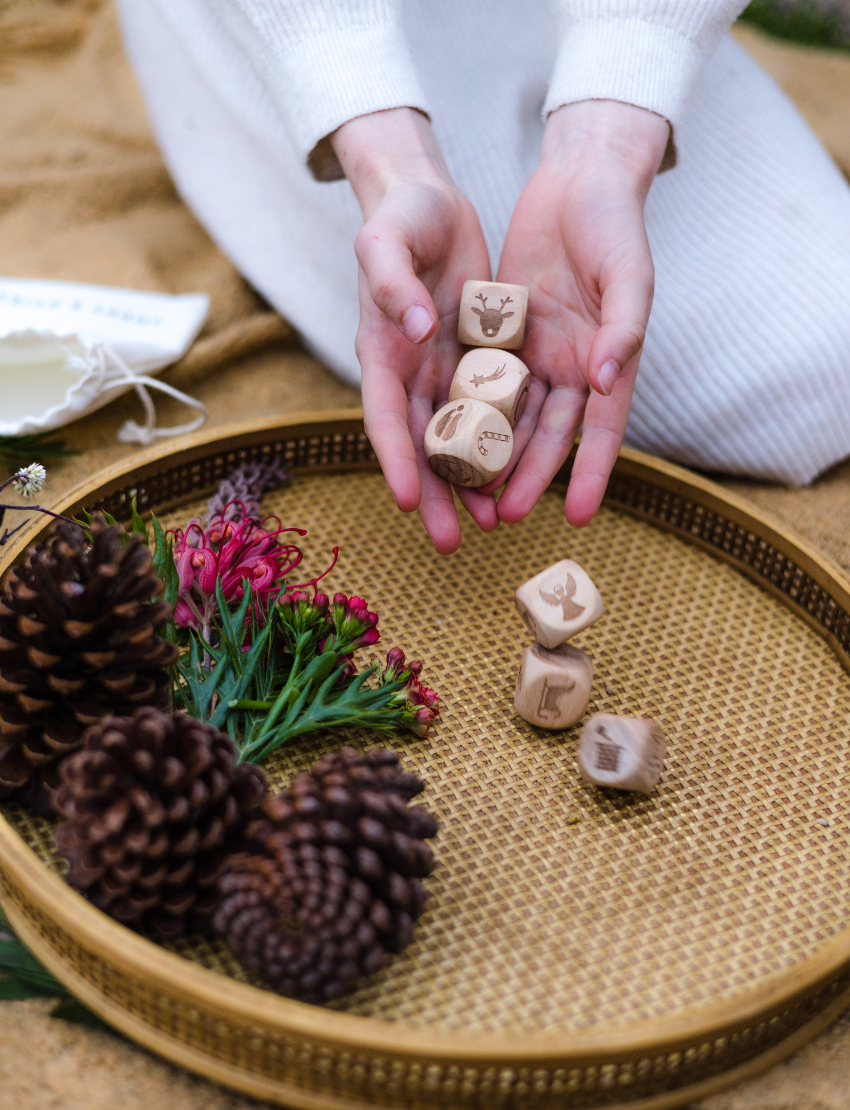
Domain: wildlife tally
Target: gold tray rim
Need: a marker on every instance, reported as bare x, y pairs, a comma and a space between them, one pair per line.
215, 993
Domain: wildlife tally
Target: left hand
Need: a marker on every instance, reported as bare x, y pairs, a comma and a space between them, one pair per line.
577, 240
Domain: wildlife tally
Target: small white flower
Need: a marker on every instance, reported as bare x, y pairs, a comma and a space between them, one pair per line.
29, 480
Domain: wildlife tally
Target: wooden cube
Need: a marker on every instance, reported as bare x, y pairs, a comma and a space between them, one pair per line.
626, 753
492, 315
553, 687
496, 377
558, 602
468, 443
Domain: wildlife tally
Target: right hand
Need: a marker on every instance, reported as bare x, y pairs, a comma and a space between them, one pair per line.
421, 240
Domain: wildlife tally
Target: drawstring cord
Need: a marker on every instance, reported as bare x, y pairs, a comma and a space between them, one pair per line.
115, 371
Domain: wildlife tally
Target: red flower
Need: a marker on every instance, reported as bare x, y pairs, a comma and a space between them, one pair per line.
230, 552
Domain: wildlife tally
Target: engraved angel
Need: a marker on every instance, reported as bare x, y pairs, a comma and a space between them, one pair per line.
563, 595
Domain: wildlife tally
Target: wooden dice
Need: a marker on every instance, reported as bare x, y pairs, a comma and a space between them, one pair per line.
468, 442
558, 602
496, 377
553, 687
626, 753
492, 315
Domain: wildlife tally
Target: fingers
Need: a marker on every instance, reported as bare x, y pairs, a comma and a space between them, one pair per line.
481, 507
605, 420
626, 304
387, 263
436, 507
522, 432
557, 424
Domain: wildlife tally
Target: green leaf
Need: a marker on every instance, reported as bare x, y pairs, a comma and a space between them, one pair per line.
160, 551
12, 990
139, 526
73, 1011
36, 447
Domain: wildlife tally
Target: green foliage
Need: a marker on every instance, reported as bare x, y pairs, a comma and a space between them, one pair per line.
38, 447
802, 22
22, 976
262, 703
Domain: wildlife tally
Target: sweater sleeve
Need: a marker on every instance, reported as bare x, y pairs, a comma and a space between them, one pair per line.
325, 62
644, 52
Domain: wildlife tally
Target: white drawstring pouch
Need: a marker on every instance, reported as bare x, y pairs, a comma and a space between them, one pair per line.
67, 349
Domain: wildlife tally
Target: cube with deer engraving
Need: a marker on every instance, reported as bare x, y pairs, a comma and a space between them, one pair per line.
468, 443
553, 687
558, 602
492, 314
626, 753
496, 377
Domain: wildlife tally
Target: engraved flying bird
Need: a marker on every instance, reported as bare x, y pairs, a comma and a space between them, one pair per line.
479, 379
563, 595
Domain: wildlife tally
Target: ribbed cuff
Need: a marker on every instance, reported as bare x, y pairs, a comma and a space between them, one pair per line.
339, 74
630, 60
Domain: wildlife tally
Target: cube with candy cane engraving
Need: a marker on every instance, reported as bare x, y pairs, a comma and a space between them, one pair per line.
496, 377
626, 753
553, 687
468, 443
558, 602
492, 314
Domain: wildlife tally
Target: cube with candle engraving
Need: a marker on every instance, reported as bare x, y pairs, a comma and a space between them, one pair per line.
626, 753
553, 686
468, 442
496, 377
558, 602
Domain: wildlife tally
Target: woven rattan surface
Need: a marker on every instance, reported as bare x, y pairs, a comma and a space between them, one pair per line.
558, 906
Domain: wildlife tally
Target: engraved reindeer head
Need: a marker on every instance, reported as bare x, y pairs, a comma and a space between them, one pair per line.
491, 318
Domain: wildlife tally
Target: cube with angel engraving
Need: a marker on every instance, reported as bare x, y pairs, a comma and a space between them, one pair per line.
468, 442
626, 753
558, 602
496, 377
492, 314
553, 687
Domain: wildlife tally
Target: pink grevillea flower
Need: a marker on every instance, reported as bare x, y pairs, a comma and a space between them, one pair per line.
422, 704
231, 552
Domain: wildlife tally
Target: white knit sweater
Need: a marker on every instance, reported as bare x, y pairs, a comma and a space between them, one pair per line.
746, 362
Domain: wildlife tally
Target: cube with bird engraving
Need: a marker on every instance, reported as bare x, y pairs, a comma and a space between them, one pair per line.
626, 753
553, 686
496, 377
558, 602
468, 442
492, 314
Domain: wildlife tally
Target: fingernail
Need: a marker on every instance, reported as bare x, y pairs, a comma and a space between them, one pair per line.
608, 376
416, 323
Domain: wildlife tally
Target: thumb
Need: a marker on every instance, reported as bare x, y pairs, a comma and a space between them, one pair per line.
387, 263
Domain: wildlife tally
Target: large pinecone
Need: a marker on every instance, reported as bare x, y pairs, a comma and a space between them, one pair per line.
154, 803
330, 882
77, 640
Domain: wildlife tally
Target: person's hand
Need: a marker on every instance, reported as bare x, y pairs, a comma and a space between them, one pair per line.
577, 240
421, 240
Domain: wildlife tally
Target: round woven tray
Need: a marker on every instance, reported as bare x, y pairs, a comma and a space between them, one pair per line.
579, 948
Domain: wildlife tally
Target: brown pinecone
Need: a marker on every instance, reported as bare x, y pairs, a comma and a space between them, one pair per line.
330, 882
154, 803
77, 641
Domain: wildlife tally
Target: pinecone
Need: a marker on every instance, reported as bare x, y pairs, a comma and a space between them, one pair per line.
330, 882
77, 641
154, 803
